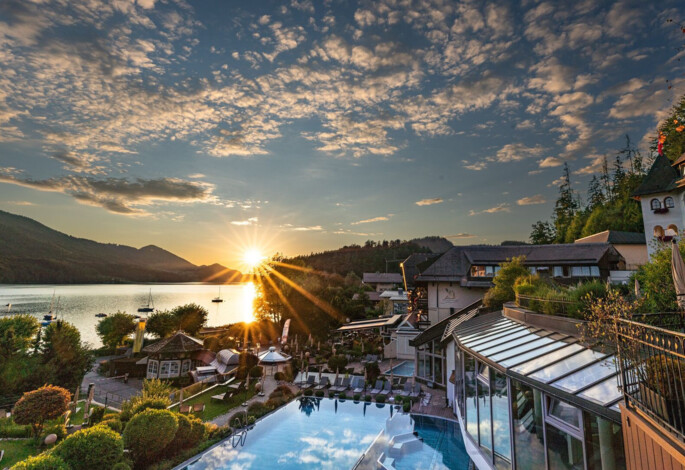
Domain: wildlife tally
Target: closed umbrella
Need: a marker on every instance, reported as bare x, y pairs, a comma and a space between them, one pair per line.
637, 289
392, 375
336, 376
180, 398
678, 271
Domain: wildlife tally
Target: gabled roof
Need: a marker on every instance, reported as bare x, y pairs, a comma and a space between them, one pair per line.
451, 266
437, 331
176, 343
382, 278
414, 265
661, 178
615, 237
379, 322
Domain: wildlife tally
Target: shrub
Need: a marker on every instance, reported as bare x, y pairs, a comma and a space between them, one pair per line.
251, 419
38, 406
149, 433
406, 406
337, 362
380, 399
96, 415
8, 428
504, 281
256, 371
96, 447
150, 403
59, 429
659, 376
342, 396
308, 393
279, 376
156, 388
111, 415
41, 462
368, 398
284, 389
190, 431
273, 403
121, 466
257, 409
372, 372
319, 393
357, 397
114, 424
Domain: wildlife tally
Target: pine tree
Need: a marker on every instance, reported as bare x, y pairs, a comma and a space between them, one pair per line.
543, 233
606, 180
566, 205
595, 195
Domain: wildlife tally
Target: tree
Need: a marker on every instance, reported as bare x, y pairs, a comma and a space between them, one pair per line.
673, 130
504, 280
656, 281
595, 195
114, 328
190, 317
96, 447
566, 205
161, 324
337, 362
149, 433
16, 333
543, 233
38, 406
65, 357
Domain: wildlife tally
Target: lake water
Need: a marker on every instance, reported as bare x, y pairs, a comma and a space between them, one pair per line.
78, 304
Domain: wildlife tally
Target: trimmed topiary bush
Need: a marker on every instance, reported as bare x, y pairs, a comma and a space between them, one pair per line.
149, 433
368, 398
121, 466
36, 407
96, 415
319, 393
380, 398
342, 396
357, 397
150, 403
96, 447
41, 462
308, 393
114, 424
278, 376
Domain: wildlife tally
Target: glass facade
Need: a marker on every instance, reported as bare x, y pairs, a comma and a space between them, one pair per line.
471, 396
564, 451
527, 413
500, 419
429, 360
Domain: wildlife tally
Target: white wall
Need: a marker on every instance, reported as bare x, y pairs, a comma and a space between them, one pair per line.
442, 297
675, 216
449, 363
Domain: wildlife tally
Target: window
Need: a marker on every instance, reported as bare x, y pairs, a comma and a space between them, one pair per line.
671, 231
655, 204
564, 435
564, 413
603, 443
471, 399
585, 271
500, 420
561, 271
526, 413
185, 367
152, 368
484, 271
174, 368
594, 271
669, 203
164, 369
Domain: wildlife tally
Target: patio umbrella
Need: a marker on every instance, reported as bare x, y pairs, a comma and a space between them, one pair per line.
336, 376
392, 375
678, 271
180, 398
336, 405
320, 370
637, 289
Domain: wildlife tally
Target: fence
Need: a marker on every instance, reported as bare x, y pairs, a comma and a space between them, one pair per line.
652, 366
562, 308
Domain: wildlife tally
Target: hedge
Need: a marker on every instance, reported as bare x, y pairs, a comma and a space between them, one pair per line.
96, 447
149, 433
41, 462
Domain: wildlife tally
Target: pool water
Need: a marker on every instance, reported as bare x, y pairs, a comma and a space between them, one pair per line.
405, 369
325, 433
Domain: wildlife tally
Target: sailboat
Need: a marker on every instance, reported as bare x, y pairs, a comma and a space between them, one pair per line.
51, 315
218, 299
150, 307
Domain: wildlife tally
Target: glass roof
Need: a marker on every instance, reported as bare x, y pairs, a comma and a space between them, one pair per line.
604, 392
474, 331
516, 350
528, 367
514, 360
567, 365
588, 375
492, 335
504, 339
512, 342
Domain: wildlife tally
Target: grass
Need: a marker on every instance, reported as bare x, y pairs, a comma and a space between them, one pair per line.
214, 408
17, 450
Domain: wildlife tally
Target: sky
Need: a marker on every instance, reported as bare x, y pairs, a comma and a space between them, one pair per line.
210, 127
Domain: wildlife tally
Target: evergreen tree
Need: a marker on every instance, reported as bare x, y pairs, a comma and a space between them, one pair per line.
595, 195
543, 233
566, 205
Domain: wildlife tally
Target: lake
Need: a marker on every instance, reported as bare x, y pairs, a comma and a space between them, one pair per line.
78, 304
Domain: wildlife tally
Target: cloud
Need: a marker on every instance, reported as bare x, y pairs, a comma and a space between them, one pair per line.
250, 221
20, 203
531, 200
429, 202
517, 152
476, 166
504, 207
550, 162
375, 219
460, 236
196, 175
120, 195
312, 228
556, 182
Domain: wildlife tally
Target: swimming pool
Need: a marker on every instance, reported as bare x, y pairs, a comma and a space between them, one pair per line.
326, 433
404, 369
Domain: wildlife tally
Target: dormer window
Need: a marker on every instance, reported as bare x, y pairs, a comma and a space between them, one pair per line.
669, 203
655, 204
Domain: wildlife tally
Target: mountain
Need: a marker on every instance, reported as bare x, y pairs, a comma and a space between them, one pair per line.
30, 252
384, 256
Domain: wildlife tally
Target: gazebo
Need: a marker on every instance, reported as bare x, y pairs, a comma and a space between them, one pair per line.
175, 356
274, 359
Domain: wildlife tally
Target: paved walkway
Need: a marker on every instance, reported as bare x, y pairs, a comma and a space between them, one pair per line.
109, 390
270, 385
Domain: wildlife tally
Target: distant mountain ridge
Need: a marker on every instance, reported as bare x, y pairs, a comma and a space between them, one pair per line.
31, 252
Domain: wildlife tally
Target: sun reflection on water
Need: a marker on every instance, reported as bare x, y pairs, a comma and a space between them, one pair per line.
249, 295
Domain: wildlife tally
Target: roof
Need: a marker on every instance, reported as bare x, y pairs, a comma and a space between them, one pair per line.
551, 361
372, 295
414, 265
454, 265
272, 356
615, 237
679, 161
661, 178
382, 278
395, 295
176, 343
437, 331
379, 322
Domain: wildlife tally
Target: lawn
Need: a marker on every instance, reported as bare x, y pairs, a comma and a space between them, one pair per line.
77, 418
214, 408
17, 450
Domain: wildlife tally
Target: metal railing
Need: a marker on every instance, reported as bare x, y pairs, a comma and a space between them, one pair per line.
652, 368
560, 307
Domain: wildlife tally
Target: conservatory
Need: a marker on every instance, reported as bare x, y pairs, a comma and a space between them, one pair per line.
534, 398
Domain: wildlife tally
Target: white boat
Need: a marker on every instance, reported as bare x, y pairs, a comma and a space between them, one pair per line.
218, 299
150, 307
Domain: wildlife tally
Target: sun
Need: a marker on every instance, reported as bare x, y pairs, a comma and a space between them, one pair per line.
253, 258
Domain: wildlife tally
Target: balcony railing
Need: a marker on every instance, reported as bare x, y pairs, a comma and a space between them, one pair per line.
652, 367
562, 308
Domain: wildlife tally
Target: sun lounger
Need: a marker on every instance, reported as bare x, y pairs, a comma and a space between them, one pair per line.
416, 392
406, 391
323, 383
358, 385
426, 399
387, 388
377, 388
344, 385
198, 407
337, 386
311, 381
219, 397
184, 409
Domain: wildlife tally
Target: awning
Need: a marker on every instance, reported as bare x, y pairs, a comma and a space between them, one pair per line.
554, 362
375, 323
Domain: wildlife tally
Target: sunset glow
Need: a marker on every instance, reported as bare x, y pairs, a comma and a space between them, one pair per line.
253, 258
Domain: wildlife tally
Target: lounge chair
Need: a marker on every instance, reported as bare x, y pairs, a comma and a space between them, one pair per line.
184, 409
311, 381
358, 385
198, 407
387, 388
219, 397
323, 383
416, 392
345, 385
406, 391
377, 388
426, 399
337, 386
